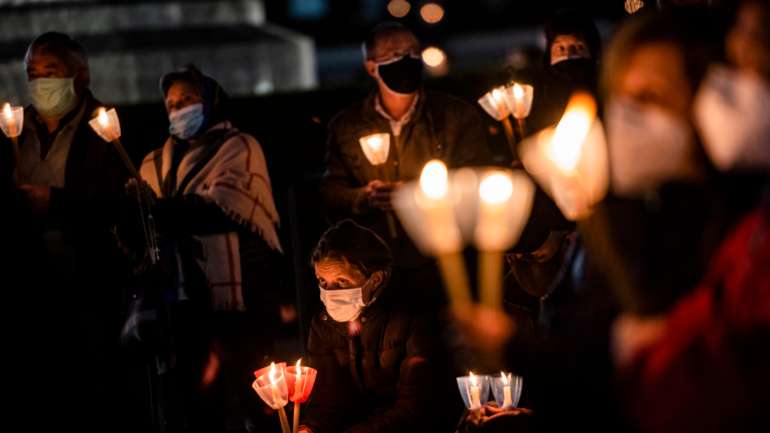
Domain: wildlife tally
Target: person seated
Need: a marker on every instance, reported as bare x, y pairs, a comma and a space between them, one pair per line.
372, 356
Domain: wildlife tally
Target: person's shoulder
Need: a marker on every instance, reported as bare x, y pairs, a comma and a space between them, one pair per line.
447, 100
351, 114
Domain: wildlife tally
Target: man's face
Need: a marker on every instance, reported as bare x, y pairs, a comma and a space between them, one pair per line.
564, 47
391, 47
41, 64
180, 95
338, 275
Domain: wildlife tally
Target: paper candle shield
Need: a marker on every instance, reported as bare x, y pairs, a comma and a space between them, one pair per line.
513, 383
493, 102
570, 161
518, 99
464, 384
12, 120
376, 147
272, 390
106, 124
308, 380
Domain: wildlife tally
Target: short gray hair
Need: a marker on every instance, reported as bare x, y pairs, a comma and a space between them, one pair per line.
62, 46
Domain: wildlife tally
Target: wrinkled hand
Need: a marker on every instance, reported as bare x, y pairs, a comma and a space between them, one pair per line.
474, 420
132, 187
304, 429
378, 194
484, 329
38, 197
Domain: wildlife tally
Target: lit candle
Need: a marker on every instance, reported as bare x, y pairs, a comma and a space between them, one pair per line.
475, 392
432, 197
299, 382
271, 387
12, 120
519, 99
570, 161
504, 205
277, 397
493, 102
376, 148
507, 400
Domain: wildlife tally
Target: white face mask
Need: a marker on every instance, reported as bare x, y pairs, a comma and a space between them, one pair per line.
53, 97
731, 113
647, 147
344, 305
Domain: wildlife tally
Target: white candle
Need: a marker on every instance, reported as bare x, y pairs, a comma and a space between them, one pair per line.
300, 381
376, 147
273, 385
475, 392
507, 400
12, 120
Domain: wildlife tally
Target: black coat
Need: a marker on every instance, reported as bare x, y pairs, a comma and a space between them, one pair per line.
379, 381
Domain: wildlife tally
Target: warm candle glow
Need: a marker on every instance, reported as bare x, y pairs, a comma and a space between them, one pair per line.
299, 369
376, 147
506, 378
434, 180
474, 381
7, 111
272, 373
496, 188
518, 91
433, 56
570, 134
104, 120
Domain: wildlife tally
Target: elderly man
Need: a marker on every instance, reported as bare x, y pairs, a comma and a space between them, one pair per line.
72, 182
422, 125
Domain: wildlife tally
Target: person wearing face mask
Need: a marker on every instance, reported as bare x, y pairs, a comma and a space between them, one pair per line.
373, 356
571, 59
216, 219
422, 125
705, 365
70, 181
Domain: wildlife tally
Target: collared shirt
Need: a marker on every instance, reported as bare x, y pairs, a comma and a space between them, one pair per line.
43, 156
396, 125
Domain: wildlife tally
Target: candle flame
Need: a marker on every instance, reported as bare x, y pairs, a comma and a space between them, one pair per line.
496, 188
570, 134
497, 95
272, 373
473, 379
374, 142
518, 91
298, 367
433, 179
506, 378
102, 117
7, 111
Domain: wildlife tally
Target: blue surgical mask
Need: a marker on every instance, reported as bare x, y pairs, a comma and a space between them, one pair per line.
53, 97
185, 123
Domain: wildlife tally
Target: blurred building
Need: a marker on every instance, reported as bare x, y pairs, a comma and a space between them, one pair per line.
131, 43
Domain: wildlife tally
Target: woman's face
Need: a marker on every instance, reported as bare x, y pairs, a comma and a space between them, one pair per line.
180, 95
655, 75
338, 275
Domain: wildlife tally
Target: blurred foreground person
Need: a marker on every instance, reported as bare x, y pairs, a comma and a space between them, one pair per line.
705, 365
372, 355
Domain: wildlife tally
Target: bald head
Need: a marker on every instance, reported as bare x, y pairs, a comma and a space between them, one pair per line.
389, 39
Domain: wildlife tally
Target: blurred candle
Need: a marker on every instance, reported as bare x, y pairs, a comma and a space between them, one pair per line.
376, 147
12, 120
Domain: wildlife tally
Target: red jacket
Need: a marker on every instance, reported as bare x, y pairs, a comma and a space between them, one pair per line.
711, 370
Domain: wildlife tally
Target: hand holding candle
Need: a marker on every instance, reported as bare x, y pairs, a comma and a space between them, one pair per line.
376, 148
107, 125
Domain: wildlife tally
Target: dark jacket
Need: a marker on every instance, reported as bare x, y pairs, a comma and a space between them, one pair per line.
442, 126
378, 381
88, 206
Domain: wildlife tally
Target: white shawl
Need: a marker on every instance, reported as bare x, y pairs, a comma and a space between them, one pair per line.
236, 179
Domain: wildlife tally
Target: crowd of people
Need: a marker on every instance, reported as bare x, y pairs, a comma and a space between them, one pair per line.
147, 290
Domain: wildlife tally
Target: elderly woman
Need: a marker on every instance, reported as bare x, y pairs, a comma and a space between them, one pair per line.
371, 354
217, 223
